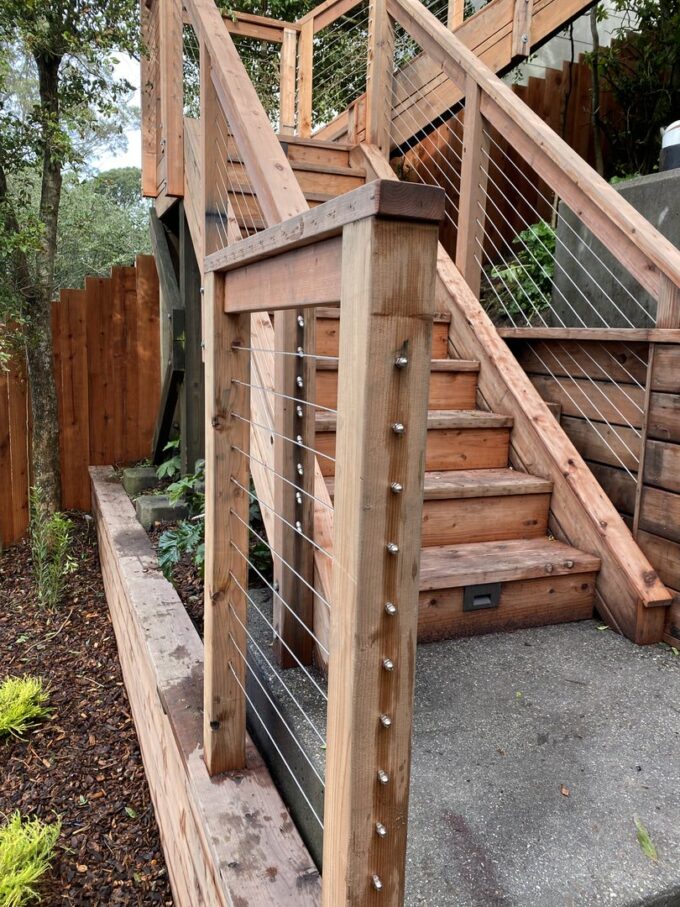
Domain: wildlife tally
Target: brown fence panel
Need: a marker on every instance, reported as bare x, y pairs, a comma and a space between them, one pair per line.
106, 347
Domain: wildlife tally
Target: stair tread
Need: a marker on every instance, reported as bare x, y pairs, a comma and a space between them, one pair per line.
436, 365
312, 142
331, 169
438, 419
475, 483
453, 566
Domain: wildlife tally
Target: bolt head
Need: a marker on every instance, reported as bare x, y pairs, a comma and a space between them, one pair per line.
392, 548
386, 721
300, 321
377, 884
380, 830
401, 361
391, 609
396, 488
383, 777
388, 664
398, 428
300, 469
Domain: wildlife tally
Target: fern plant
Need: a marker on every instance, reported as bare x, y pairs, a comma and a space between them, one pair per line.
52, 562
523, 285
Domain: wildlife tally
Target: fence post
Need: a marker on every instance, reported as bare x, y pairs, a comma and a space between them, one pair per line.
149, 66
521, 28
456, 14
379, 76
305, 78
172, 94
287, 82
226, 531
388, 286
473, 182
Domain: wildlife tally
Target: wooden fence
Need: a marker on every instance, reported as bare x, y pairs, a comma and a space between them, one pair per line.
107, 370
638, 463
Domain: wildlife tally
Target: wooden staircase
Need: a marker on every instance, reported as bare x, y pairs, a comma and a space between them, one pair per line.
488, 562
484, 524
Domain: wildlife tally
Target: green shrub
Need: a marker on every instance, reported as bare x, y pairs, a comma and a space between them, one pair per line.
22, 701
50, 551
171, 467
26, 851
524, 284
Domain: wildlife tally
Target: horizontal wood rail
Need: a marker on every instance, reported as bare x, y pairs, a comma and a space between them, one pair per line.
629, 590
638, 246
625, 335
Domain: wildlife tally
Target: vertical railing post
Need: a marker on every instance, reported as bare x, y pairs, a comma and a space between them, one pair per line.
305, 77
456, 13
521, 28
379, 76
149, 92
294, 332
287, 82
227, 378
172, 93
388, 287
473, 182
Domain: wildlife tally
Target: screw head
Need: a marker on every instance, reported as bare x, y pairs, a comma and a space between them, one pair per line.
386, 721
388, 664
299, 439
401, 361
298, 497
392, 548
396, 488
298, 525
391, 609
300, 352
300, 469
380, 830
300, 321
383, 777
377, 884
300, 381
398, 428
298, 412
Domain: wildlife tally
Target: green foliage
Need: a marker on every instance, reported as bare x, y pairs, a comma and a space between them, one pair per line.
26, 851
191, 489
23, 700
524, 283
641, 69
50, 551
187, 538
171, 467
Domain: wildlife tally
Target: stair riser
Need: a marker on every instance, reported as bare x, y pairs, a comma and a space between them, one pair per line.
328, 183
486, 519
466, 448
524, 603
328, 338
448, 390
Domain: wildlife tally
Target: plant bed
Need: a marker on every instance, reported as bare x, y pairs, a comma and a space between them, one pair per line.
82, 764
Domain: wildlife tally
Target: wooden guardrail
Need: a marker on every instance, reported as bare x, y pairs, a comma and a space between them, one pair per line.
374, 249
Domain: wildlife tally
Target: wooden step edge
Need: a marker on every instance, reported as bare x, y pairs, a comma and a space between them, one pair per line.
454, 566
438, 420
311, 142
333, 313
330, 169
475, 483
454, 366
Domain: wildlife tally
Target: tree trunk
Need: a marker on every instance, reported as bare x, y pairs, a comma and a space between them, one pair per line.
45, 443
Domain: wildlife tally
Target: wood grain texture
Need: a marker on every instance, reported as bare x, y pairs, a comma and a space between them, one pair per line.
380, 67
387, 301
226, 839
172, 94
226, 532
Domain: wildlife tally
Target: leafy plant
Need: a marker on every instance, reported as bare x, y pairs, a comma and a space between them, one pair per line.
524, 284
188, 537
172, 466
50, 550
26, 851
191, 489
23, 700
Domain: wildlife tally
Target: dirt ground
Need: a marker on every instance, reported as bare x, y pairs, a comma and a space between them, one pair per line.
83, 764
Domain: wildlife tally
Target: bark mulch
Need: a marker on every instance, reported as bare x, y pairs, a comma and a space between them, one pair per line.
83, 764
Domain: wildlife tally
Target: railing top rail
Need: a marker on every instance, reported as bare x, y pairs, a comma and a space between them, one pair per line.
640, 247
381, 198
327, 12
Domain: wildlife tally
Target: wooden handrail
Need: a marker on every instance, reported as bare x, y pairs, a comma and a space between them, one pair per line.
327, 12
640, 248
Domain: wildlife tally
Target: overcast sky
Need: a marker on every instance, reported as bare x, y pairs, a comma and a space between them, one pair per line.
126, 69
